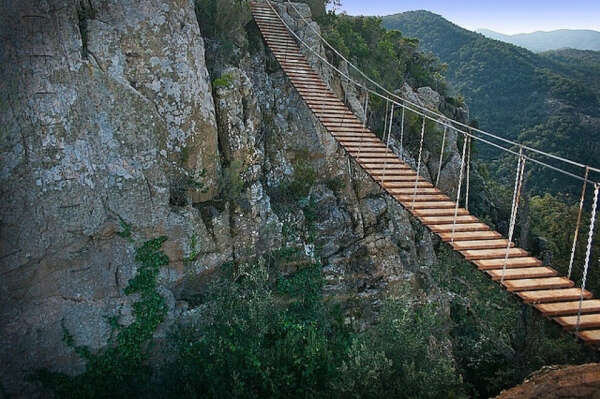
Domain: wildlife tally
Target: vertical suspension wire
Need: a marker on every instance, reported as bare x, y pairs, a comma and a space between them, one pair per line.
365, 122
387, 106
588, 252
578, 224
460, 180
390, 127
387, 145
468, 174
515, 208
437, 179
419, 164
402, 133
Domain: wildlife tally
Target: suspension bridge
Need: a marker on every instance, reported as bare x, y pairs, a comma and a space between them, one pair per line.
513, 268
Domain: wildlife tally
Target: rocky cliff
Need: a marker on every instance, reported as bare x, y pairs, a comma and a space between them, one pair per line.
119, 123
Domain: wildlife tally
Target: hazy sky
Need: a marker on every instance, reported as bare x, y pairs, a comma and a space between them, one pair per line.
504, 16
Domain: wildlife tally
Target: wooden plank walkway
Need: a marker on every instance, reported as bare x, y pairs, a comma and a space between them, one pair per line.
536, 284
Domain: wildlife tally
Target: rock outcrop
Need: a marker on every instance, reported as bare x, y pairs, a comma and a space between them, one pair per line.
559, 382
112, 134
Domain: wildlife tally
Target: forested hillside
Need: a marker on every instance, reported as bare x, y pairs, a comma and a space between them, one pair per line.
551, 100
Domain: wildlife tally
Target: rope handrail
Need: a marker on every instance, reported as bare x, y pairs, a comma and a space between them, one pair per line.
421, 110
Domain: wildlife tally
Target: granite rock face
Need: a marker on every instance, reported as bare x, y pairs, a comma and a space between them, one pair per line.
112, 134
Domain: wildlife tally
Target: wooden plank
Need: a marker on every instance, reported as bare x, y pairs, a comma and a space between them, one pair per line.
420, 185
435, 212
391, 176
514, 263
344, 141
421, 198
378, 158
381, 161
410, 190
545, 296
335, 112
530, 284
528, 272
590, 336
482, 254
438, 205
479, 244
470, 236
376, 169
568, 308
376, 146
449, 219
585, 321
467, 227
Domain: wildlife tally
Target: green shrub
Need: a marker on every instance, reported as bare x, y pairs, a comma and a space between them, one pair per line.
224, 81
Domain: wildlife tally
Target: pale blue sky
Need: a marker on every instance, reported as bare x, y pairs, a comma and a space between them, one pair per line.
505, 16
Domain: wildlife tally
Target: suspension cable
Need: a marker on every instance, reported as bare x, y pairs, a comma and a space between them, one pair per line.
401, 102
419, 164
514, 209
460, 180
588, 252
578, 224
437, 180
393, 95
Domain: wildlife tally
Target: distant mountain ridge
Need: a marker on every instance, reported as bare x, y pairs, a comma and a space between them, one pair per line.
552, 40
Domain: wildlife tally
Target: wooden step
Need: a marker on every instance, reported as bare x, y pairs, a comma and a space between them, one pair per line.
421, 198
372, 148
479, 244
345, 141
285, 43
438, 212
391, 185
335, 113
590, 336
568, 308
436, 205
353, 134
528, 272
367, 147
410, 190
482, 254
430, 220
397, 170
306, 84
531, 284
511, 263
545, 296
383, 163
586, 321
470, 236
378, 174
377, 156
467, 227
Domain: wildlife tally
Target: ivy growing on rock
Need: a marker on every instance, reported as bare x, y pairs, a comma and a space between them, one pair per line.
121, 370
